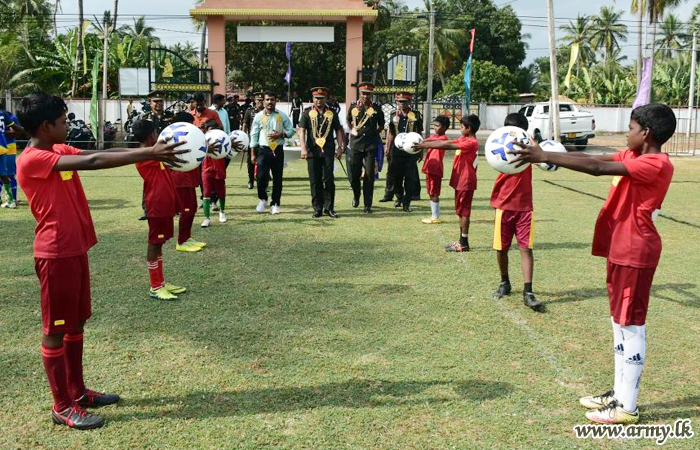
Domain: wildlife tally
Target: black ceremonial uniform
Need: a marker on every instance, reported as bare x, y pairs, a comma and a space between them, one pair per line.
320, 161
404, 166
365, 123
161, 122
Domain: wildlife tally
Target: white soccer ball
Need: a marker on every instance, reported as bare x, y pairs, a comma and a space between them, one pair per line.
400, 140
499, 144
241, 138
221, 142
195, 143
410, 141
551, 146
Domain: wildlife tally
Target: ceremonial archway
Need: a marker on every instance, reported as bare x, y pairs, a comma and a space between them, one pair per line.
352, 12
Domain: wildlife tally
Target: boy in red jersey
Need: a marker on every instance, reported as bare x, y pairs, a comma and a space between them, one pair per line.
213, 170
625, 234
433, 168
162, 205
186, 185
463, 178
64, 234
512, 199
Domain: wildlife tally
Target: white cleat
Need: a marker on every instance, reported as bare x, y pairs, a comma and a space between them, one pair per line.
262, 206
205, 223
222, 217
275, 210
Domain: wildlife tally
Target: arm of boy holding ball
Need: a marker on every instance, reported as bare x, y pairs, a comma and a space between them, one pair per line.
581, 162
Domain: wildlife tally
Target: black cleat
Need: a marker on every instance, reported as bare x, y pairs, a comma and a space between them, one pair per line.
96, 399
502, 291
331, 213
407, 207
368, 210
398, 204
76, 417
531, 302
355, 202
317, 214
250, 185
385, 199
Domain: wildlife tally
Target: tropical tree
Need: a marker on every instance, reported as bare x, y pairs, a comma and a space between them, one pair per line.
671, 36
31, 12
140, 30
579, 32
608, 31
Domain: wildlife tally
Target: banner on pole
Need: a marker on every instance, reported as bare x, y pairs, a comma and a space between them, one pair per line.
468, 72
572, 62
644, 88
288, 52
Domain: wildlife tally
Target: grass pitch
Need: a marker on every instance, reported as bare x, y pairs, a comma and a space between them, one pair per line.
356, 333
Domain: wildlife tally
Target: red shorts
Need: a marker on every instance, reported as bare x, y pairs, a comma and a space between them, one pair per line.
628, 289
65, 293
513, 223
212, 185
160, 229
188, 200
433, 183
463, 203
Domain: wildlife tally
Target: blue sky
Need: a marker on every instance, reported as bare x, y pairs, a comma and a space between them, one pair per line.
169, 17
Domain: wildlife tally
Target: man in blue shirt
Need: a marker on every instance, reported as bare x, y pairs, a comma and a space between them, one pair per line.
9, 126
270, 128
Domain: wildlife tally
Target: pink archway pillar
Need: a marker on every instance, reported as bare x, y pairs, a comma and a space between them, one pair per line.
353, 54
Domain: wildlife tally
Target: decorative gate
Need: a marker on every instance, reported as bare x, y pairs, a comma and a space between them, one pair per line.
173, 73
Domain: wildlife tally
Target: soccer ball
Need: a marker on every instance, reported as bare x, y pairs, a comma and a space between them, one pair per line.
551, 146
400, 140
221, 142
410, 140
242, 138
194, 143
499, 143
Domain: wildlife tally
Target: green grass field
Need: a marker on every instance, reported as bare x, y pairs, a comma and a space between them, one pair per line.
356, 333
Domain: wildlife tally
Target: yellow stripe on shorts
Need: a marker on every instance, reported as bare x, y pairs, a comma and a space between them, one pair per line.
497, 244
531, 242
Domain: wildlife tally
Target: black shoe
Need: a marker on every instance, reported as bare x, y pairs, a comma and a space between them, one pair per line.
96, 399
355, 202
385, 199
415, 198
407, 207
368, 210
331, 213
317, 214
398, 204
502, 291
531, 302
143, 217
250, 185
76, 417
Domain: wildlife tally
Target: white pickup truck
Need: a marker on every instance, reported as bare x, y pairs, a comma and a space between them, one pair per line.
576, 126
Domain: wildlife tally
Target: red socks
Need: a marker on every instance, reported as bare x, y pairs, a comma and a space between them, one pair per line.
155, 272
73, 352
55, 366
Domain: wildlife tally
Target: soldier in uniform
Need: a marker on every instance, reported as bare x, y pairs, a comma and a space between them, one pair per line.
403, 165
297, 106
234, 112
248, 117
319, 128
366, 122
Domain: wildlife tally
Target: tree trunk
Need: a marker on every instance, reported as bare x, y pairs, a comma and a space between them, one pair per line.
79, 49
202, 48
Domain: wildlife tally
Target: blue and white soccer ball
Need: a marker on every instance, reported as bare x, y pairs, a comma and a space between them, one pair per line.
194, 143
500, 143
551, 146
400, 140
242, 139
409, 141
221, 142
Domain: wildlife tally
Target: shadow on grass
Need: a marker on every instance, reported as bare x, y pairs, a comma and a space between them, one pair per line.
674, 409
561, 245
347, 394
576, 295
107, 203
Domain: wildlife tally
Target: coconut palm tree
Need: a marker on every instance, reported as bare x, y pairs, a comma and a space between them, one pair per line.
139, 30
579, 32
671, 35
608, 31
30, 10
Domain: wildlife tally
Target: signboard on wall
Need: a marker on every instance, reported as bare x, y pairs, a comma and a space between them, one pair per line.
402, 68
134, 81
285, 34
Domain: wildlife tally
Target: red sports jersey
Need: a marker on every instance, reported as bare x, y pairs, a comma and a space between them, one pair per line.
159, 189
217, 167
625, 231
433, 158
463, 176
185, 179
513, 192
64, 226
200, 119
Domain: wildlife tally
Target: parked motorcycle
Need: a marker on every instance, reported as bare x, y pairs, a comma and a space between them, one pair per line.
79, 134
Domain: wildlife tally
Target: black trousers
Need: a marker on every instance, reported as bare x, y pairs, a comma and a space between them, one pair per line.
295, 117
251, 166
389, 190
322, 181
358, 160
405, 181
269, 161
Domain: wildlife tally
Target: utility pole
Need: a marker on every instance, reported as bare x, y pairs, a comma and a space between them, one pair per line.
554, 100
640, 19
427, 111
691, 95
108, 26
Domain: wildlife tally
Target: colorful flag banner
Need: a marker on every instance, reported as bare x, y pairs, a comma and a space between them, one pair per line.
468, 72
288, 75
95, 89
644, 88
572, 62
